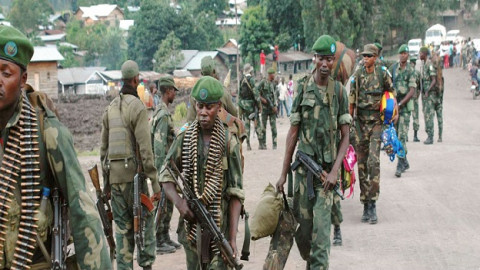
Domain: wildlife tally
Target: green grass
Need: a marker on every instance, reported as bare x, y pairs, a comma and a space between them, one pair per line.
94, 152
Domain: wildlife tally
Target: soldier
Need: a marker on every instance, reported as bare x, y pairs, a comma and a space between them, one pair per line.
367, 87
37, 151
208, 69
163, 134
380, 60
209, 156
319, 109
249, 104
125, 132
266, 89
416, 95
403, 77
432, 97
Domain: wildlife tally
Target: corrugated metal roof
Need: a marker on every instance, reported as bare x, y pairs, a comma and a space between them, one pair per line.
93, 12
196, 62
116, 75
5, 23
2, 17
181, 73
292, 56
187, 56
77, 75
228, 51
126, 24
46, 54
48, 38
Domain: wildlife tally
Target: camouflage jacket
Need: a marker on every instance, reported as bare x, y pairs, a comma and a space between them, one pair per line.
266, 89
232, 175
427, 71
402, 79
312, 110
248, 105
162, 133
134, 118
417, 82
59, 167
370, 88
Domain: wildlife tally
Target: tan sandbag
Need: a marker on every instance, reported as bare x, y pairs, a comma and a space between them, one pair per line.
265, 220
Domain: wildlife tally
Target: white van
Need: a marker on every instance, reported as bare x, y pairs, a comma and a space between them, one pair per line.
454, 35
414, 46
435, 34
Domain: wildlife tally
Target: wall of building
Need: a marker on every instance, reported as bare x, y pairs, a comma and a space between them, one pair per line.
43, 76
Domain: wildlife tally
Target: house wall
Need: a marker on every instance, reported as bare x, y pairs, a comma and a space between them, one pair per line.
43, 76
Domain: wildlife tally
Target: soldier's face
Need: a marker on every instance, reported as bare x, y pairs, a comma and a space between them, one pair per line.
369, 60
12, 80
206, 114
324, 63
171, 94
423, 55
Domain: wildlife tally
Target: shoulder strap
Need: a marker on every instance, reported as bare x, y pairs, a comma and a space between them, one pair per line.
332, 88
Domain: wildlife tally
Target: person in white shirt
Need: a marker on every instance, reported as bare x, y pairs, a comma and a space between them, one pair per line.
282, 96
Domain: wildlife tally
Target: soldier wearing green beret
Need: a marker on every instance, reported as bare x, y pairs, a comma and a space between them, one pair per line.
268, 97
208, 69
380, 60
125, 131
404, 82
209, 156
367, 87
320, 122
36, 151
416, 95
163, 134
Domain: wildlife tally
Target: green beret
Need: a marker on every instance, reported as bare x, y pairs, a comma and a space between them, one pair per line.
207, 90
129, 69
271, 71
15, 46
424, 49
207, 65
403, 48
325, 45
167, 81
379, 46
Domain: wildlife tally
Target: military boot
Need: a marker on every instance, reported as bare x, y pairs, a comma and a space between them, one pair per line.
162, 246
262, 146
248, 146
429, 140
147, 267
337, 236
172, 243
415, 138
274, 146
400, 168
365, 216
372, 210
406, 165
439, 135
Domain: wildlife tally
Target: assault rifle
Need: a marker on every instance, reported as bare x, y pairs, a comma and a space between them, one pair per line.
139, 213
104, 209
313, 169
59, 231
160, 210
205, 219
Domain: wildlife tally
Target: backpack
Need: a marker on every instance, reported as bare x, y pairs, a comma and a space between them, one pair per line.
246, 91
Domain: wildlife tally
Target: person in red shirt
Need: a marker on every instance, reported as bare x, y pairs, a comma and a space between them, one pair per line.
275, 56
262, 62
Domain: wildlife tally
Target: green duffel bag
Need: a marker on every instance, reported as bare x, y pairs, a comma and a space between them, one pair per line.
265, 220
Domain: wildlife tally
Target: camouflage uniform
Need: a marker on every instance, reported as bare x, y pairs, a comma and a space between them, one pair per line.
311, 111
131, 120
59, 167
249, 98
232, 187
266, 89
368, 127
416, 95
163, 134
433, 103
403, 80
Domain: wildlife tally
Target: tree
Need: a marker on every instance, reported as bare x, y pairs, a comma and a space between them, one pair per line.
215, 6
69, 57
285, 19
255, 33
27, 15
168, 55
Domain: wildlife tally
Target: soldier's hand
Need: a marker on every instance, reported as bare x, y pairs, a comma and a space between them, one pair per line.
156, 196
330, 180
281, 183
395, 119
275, 110
184, 210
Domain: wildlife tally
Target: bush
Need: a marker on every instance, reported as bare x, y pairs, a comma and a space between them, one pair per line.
180, 112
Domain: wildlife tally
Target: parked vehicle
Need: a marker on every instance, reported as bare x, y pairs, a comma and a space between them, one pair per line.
454, 35
435, 34
414, 46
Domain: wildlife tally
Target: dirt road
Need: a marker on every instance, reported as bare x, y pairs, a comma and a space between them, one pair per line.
428, 219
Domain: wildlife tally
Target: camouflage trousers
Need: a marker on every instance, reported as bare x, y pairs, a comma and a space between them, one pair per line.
273, 125
431, 105
337, 216
258, 128
368, 142
415, 114
402, 126
122, 207
314, 219
165, 219
193, 261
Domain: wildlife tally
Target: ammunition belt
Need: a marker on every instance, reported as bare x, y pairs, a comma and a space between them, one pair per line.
21, 160
211, 195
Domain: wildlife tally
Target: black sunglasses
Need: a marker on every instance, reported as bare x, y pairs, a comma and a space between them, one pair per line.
368, 55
